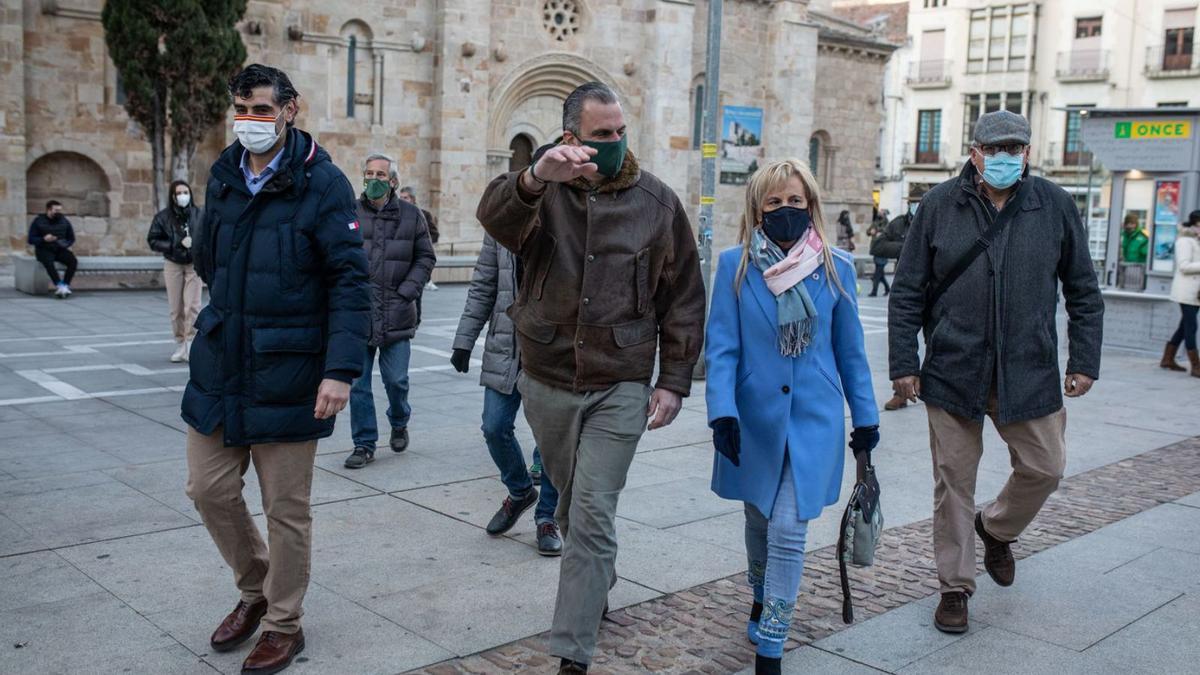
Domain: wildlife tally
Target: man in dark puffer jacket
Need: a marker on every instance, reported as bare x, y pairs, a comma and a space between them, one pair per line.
400, 256
274, 355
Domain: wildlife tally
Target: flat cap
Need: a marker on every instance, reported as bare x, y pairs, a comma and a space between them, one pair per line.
1002, 127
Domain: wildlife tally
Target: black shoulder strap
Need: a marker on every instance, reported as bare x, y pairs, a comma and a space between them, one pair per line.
981, 244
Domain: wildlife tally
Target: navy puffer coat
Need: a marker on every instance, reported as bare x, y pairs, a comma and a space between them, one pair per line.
290, 301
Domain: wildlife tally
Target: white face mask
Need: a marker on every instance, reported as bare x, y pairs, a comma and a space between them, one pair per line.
256, 133
183, 200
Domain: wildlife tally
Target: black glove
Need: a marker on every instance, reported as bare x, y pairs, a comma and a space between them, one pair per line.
727, 438
863, 440
461, 359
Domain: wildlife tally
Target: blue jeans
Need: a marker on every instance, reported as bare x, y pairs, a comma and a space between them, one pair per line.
393, 366
775, 552
499, 415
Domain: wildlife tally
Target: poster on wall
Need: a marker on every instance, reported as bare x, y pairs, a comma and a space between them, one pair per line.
1166, 224
741, 143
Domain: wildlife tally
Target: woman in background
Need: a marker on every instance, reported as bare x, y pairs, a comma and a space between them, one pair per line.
171, 234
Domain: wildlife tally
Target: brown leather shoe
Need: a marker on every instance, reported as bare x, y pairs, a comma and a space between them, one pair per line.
239, 626
896, 403
273, 653
951, 614
997, 555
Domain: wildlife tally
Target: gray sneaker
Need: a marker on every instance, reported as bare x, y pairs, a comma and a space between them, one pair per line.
549, 543
360, 458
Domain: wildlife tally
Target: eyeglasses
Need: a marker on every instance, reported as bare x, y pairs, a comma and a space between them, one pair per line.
1012, 149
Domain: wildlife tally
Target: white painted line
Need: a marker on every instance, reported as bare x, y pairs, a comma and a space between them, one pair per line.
42, 338
30, 401
135, 392
53, 384
85, 349
431, 350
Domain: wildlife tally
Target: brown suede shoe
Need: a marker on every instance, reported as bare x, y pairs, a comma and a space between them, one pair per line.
273, 653
896, 403
951, 614
997, 555
239, 626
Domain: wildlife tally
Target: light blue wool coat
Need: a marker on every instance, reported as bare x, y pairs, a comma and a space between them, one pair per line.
782, 402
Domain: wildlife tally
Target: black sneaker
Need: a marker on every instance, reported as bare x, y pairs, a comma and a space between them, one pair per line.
569, 667
509, 512
399, 440
360, 458
548, 540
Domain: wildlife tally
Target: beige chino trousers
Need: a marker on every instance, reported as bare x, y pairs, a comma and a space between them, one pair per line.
277, 571
1038, 453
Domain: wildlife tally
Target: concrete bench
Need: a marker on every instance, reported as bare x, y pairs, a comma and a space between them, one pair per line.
97, 272
454, 269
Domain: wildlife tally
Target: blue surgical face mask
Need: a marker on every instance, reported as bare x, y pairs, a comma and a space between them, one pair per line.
1001, 170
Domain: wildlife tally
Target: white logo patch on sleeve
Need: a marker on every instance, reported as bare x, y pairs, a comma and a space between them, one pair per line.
353, 225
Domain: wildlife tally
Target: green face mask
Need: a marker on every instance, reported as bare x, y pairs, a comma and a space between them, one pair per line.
610, 155
375, 189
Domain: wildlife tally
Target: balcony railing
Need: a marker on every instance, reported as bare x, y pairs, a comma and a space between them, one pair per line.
937, 157
928, 74
1057, 158
1160, 64
1083, 65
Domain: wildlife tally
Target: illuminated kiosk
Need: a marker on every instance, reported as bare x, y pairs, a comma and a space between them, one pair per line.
1154, 157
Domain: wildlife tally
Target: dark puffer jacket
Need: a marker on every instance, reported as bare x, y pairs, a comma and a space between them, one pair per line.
401, 259
168, 229
290, 304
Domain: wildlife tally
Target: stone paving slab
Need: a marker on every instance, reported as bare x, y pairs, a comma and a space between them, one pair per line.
701, 629
372, 536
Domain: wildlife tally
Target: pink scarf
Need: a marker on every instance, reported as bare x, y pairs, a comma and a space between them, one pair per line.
802, 260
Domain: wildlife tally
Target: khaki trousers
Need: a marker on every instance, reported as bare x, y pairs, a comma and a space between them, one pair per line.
1038, 453
183, 295
278, 572
587, 443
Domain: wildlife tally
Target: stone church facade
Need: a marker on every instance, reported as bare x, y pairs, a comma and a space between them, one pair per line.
457, 90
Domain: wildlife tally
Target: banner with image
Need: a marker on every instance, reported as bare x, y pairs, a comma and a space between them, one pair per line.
741, 143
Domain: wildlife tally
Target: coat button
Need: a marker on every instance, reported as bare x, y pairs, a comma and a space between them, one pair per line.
580, 343
593, 198
786, 389
816, 275
587, 301
591, 258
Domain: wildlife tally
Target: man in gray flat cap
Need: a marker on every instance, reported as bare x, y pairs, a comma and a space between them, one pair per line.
980, 274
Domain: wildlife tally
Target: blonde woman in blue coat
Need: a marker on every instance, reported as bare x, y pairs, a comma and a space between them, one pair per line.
784, 351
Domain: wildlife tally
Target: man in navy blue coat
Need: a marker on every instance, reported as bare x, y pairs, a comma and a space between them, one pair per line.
274, 355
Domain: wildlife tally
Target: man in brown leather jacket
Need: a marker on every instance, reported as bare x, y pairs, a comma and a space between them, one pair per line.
611, 277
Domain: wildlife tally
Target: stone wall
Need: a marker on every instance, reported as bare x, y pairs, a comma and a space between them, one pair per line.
848, 108
442, 85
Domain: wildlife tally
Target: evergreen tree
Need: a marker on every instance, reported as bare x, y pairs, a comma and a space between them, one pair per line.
174, 58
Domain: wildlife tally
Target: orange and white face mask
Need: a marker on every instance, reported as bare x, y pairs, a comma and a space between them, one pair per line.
257, 133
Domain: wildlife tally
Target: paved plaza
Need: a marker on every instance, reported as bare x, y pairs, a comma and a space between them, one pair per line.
104, 566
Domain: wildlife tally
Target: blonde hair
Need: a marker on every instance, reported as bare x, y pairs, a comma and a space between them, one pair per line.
771, 178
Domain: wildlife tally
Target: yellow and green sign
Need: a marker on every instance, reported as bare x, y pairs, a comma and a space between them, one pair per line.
1153, 129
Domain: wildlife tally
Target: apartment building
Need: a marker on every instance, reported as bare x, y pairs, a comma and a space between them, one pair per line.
1045, 59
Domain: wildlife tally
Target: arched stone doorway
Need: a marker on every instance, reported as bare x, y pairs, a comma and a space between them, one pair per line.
521, 147
528, 101
71, 178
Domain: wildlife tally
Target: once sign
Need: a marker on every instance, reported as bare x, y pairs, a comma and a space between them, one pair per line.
1153, 129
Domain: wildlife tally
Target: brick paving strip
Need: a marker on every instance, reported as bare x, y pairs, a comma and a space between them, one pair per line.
702, 629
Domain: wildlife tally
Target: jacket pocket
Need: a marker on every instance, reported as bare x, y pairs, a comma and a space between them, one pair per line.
287, 364
535, 329
205, 359
542, 256
635, 332
296, 255
642, 266
832, 382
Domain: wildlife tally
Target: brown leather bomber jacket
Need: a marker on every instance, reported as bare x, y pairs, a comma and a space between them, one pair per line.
611, 273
